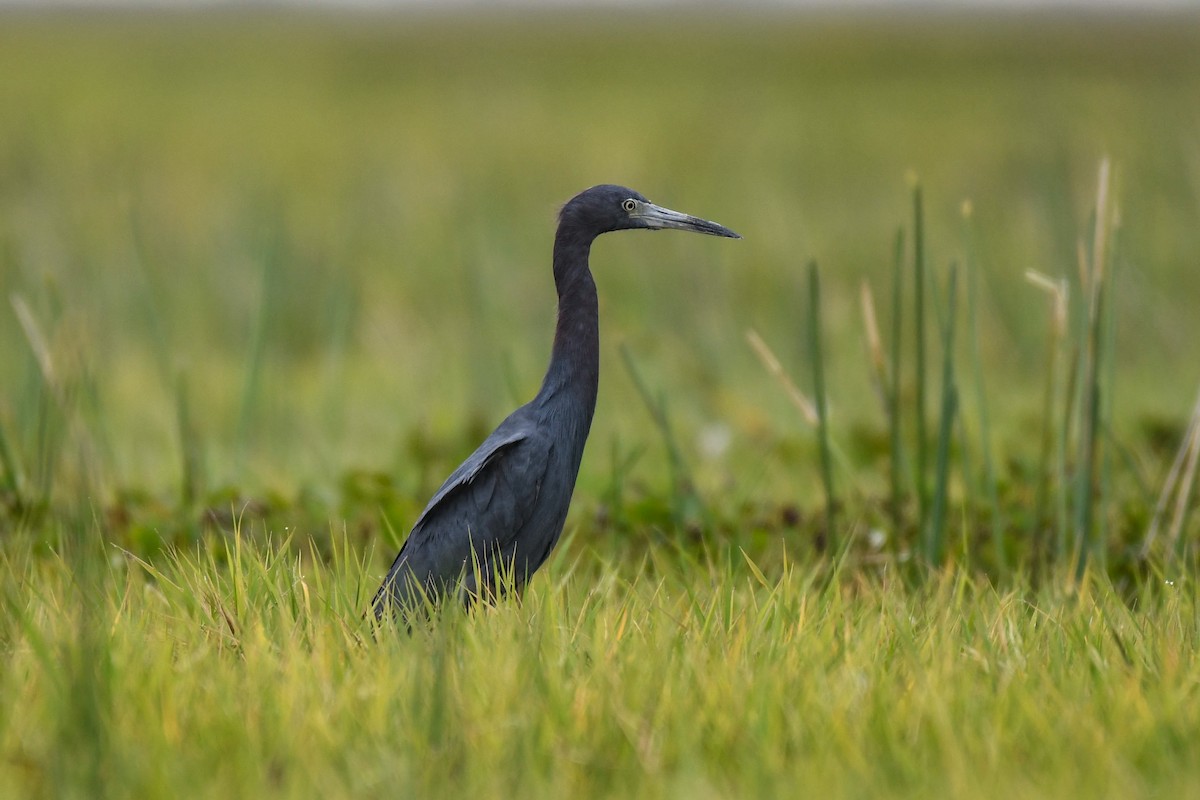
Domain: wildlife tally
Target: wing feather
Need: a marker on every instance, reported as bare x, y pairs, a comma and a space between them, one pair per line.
474, 516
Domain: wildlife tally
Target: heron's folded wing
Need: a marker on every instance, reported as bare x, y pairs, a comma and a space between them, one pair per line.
480, 507
494, 450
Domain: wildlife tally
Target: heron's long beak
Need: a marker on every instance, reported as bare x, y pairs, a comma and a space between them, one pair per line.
658, 217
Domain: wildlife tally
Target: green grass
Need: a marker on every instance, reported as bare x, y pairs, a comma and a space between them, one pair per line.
201, 677
267, 279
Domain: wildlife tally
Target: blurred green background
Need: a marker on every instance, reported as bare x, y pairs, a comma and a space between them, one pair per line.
316, 244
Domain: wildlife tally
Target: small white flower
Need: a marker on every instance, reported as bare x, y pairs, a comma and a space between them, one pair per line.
714, 439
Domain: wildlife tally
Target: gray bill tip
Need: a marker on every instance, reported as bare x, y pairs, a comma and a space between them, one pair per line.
720, 230
659, 217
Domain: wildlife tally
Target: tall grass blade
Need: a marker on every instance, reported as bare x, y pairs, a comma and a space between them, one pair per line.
894, 426
341, 310
1088, 468
770, 362
10, 472
1178, 485
806, 407
145, 289
1107, 395
1052, 460
252, 384
192, 479
613, 497
919, 342
990, 486
39, 346
879, 371
949, 408
816, 357
1072, 403
686, 503
1183, 505
53, 403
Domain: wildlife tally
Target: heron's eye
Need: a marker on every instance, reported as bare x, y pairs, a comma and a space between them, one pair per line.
629, 205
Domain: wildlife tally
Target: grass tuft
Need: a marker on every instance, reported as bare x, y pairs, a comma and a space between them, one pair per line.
187, 677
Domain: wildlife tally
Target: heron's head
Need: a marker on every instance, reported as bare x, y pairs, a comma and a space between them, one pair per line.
601, 209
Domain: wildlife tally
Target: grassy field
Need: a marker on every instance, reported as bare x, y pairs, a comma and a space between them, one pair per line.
668, 679
267, 279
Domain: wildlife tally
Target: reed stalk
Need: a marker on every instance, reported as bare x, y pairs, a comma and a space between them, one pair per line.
816, 358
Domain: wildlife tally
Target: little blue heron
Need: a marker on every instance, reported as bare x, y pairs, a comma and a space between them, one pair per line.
502, 510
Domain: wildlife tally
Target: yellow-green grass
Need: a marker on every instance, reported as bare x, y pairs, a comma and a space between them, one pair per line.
257, 677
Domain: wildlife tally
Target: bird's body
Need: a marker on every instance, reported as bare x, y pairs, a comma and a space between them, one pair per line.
501, 512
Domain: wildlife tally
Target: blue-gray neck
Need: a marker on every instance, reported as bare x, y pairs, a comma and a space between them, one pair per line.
573, 377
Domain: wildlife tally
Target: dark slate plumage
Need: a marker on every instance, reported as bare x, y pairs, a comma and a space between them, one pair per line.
501, 512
